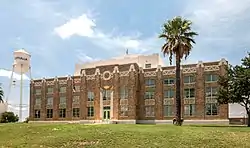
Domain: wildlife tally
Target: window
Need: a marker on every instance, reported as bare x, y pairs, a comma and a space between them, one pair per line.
91, 111
150, 111
90, 96
149, 94
189, 109
63, 89
50, 101
189, 79
77, 88
168, 110
124, 110
37, 114
123, 92
169, 81
62, 100
106, 94
76, 100
169, 93
38, 100
76, 112
211, 77
189, 93
62, 113
49, 113
147, 65
150, 82
38, 91
211, 92
50, 90
211, 109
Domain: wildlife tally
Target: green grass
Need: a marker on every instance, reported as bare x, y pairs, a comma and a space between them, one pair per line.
122, 136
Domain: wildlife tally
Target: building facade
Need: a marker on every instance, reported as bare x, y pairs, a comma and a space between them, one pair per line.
128, 93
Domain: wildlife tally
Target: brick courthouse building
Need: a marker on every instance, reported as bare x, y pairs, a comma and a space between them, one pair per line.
134, 90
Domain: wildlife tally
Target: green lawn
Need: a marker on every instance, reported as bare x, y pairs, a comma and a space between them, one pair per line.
121, 136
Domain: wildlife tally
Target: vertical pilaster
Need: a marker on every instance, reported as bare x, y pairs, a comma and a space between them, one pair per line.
83, 98
116, 88
200, 98
32, 101
98, 97
43, 100
141, 97
132, 93
69, 99
159, 95
56, 100
223, 108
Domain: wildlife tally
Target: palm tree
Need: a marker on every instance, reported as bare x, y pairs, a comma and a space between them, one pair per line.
178, 41
1, 94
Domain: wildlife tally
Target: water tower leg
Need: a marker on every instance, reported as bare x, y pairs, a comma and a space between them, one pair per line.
21, 95
10, 85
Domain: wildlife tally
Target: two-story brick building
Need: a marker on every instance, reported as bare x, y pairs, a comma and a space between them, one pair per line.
128, 93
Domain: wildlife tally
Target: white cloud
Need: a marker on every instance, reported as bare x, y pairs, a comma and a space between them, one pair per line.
83, 58
222, 26
82, 26
7, 73
85, 26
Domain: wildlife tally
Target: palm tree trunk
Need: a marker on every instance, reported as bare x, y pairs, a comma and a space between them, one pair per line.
178, 89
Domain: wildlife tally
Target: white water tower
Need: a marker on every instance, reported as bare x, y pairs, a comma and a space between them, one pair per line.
21, 66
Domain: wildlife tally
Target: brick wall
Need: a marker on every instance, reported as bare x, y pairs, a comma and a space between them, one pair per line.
133, 77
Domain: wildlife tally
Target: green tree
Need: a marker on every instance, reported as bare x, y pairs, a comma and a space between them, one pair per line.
179, 38
1, 94
235, 85
8, 117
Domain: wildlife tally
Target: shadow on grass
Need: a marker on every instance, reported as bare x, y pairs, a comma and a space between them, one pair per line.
220, 126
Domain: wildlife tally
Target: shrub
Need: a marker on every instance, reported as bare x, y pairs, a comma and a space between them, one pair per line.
8, 117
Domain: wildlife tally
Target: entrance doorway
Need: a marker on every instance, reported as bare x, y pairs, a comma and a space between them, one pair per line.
106, 113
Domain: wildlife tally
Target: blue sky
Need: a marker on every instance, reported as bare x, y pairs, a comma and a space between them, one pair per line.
59, 33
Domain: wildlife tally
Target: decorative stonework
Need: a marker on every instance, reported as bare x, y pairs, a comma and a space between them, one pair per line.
200, 64
78, 80
223, 62
38, 83
62, 105
189, 101
212, 68
106, 75
168, 101
37, 106
62, 81
106, 102
132, 67
90, 77
49, 106
211, 100
189, 70
116, 69
159, 68
123, 101
168, 72
97, 71
149, 102
124, 74
90, 103
150, 74
141, 70
50, 82
69, 77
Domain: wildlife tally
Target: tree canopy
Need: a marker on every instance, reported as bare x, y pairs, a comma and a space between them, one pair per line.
179, 37
235, 85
